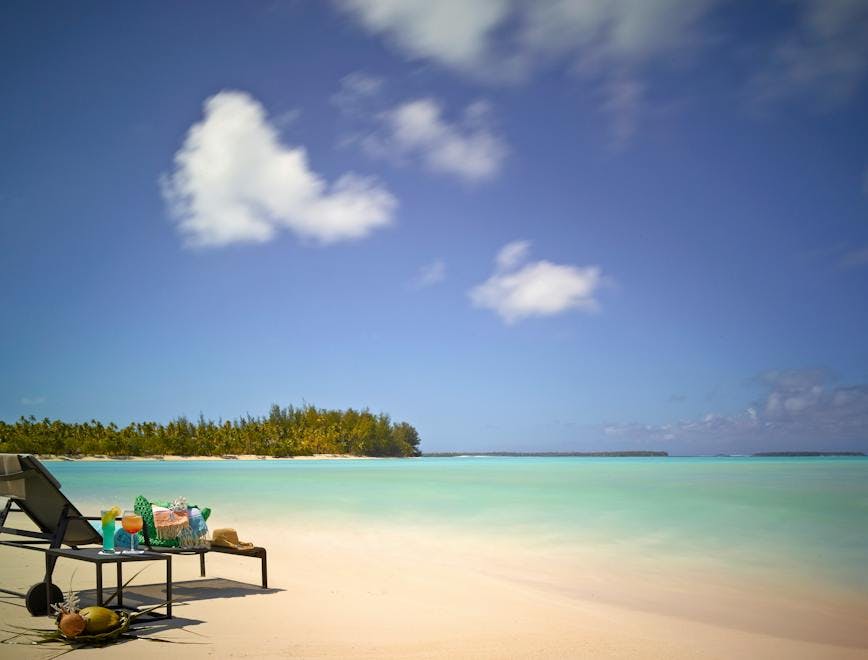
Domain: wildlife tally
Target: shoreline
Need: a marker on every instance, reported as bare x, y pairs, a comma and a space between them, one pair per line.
49, 458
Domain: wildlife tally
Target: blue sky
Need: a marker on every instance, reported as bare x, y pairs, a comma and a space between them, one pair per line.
537, 226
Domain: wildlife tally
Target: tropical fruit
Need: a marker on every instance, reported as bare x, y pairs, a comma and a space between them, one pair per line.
71, 624
110, 515
98, 620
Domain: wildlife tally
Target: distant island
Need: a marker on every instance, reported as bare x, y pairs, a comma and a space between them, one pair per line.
599, 454
284, 432
807, 453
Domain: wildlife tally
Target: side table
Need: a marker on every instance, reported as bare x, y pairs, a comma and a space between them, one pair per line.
92, 555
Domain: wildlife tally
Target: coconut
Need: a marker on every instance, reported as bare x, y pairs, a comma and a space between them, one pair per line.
71, 624
99, 619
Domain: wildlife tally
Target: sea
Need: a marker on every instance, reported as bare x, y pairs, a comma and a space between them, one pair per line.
790, 518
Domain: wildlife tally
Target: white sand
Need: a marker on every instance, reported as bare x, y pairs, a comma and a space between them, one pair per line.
386, 593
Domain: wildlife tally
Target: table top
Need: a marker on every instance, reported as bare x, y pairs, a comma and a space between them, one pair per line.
92, 555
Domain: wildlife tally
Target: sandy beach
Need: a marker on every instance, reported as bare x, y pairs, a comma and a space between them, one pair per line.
370, 592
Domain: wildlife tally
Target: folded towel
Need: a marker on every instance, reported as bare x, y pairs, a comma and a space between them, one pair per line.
197, 522
10, 466
169, 523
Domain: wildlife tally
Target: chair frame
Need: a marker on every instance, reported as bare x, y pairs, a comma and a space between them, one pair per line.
41, 541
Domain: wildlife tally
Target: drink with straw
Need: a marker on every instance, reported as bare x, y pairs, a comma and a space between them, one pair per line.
108, 530
132, 524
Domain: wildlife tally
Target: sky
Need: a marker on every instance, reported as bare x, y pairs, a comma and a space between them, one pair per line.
538, 226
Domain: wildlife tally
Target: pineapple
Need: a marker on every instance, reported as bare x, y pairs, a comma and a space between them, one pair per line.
69, 621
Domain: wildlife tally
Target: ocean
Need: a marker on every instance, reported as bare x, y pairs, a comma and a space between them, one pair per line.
782, 519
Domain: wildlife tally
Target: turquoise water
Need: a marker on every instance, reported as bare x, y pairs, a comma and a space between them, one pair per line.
805, 516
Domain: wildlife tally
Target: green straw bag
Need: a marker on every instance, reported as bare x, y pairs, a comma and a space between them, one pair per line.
143, 508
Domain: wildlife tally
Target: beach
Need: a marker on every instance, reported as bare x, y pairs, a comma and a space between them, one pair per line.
415, 583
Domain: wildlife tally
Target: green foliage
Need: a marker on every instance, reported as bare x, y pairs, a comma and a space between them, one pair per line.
283, 432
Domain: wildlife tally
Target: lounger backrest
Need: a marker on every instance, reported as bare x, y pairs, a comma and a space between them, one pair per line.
43, 503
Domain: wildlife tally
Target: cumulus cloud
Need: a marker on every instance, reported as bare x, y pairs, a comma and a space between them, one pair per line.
800, 409
519, 290
824, 56
430, 274
234, 181
418, 130
32, 400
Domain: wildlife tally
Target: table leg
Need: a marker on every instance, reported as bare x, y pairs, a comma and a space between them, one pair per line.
120, 585
169, 586
99, 584
201, 564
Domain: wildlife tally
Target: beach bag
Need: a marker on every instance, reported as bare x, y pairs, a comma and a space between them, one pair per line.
173, 524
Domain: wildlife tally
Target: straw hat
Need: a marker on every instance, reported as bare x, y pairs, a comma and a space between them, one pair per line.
228, 538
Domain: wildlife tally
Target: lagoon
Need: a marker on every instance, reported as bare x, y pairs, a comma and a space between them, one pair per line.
778, 519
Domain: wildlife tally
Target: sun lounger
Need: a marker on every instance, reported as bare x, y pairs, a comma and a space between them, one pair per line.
256, 553
32, 490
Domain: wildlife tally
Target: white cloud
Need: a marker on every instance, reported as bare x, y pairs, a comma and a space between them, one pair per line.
512, 254
539, 288
430, 274
800, 410
825, 56
32, 400
610, 31
607, 41
453, 32
504, 39
355, 90
623, 102
468, 149
234, 181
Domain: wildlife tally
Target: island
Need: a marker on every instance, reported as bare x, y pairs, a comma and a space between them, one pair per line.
284, 432
779, 454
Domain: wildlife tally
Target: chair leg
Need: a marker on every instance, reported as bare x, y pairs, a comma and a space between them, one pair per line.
50, 561
201, 564
264, 556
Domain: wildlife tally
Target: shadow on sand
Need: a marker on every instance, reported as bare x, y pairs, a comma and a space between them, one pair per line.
187, 591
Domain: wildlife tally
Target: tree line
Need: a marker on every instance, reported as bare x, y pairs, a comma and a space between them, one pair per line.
290, 431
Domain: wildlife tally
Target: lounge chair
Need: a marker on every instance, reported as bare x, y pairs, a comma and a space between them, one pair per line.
255, 552
32, 490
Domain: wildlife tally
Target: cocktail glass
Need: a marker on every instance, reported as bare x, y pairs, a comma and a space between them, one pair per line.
108, 531
132, 524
